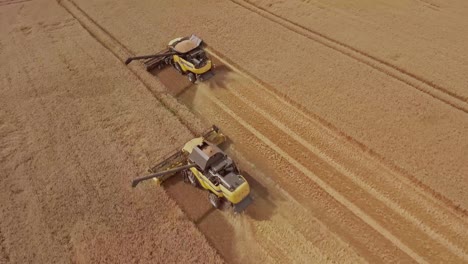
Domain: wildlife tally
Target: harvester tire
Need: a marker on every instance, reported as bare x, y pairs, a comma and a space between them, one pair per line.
178, 68
192, 78
169, 61
191, 178
214, 200
185, 176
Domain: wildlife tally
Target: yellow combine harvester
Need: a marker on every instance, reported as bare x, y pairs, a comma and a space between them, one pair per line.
186, 55
203, 164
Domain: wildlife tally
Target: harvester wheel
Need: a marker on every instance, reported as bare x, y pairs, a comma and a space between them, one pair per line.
168, 61
178, 68
214, 200
191, 178
185, 176
192, 78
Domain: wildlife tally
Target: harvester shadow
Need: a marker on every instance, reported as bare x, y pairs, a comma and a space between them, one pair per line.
194, 204
220, 78
263, 206
193, 201
259, 192
265, 195
174, 82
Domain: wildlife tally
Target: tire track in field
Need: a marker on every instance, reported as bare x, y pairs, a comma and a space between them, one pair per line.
339, 134
412, 205
394, 221
437, 92
338, 196
418, 208
12, 2
378, 184
338, 219
3, 251
381, 193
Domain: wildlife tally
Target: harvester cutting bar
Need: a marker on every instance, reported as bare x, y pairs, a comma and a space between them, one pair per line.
162, 173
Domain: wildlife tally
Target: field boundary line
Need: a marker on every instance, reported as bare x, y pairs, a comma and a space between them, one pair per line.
435, 91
